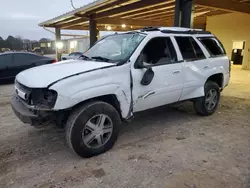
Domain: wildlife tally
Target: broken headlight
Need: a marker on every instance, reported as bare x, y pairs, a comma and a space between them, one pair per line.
43, 98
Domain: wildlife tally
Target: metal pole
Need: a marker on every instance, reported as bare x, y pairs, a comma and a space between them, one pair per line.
186, 13
58, 39
177, 13
92, 31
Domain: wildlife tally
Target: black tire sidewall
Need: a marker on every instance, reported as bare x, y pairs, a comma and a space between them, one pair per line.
84, 115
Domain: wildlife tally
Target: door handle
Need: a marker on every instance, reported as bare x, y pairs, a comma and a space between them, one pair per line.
206, 67
176, 72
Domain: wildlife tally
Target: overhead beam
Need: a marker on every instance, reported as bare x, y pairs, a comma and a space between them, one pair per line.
127, 8
226, 5
93, 11
81, 20
164, 6
131, 22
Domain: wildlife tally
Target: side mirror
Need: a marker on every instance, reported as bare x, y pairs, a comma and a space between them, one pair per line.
147, 77
139, 62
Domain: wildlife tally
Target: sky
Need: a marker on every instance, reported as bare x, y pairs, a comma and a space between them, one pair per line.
21, 17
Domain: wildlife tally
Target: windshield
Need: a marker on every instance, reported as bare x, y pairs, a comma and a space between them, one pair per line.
115, 48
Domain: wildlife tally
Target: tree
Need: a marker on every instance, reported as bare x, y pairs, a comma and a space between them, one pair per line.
2, 43
44, 40
14, 43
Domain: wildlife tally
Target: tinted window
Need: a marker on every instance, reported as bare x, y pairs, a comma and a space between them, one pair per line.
171, 50
5, 60
198, 52
25, 59
186, 48
213, 46
78, 54
159, 51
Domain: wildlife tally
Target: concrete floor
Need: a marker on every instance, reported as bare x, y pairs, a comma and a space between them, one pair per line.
239, 85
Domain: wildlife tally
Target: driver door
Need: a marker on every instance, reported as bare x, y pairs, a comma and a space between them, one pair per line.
167, 83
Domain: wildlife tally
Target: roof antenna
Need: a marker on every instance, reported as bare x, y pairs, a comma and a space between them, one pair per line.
71, 1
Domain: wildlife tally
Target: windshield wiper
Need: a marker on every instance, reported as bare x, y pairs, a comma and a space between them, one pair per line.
84, 57
101, 58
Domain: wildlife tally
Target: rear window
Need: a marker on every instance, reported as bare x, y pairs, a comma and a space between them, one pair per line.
213, 46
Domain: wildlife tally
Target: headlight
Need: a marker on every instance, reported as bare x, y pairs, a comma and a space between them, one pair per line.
43, 98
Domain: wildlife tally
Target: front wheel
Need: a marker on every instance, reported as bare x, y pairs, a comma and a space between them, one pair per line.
92, 128
208, 104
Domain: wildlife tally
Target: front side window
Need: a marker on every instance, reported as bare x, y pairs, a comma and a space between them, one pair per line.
115, 48
213, 46
159, 51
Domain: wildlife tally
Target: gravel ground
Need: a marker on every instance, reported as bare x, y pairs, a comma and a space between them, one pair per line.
164, 147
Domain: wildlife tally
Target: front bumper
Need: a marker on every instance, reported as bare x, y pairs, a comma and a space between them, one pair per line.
28, 116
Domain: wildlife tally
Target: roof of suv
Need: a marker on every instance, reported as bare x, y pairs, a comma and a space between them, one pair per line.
174, 30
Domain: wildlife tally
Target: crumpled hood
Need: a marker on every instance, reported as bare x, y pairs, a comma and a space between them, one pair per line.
42, 76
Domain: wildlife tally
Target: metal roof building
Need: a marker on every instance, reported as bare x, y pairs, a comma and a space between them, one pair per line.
123, 15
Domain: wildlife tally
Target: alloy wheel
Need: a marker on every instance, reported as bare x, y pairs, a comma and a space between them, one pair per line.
97, 131
211, 99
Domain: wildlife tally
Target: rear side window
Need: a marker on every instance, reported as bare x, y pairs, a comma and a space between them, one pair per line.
190, 50
198, 51
25, 59
213, 46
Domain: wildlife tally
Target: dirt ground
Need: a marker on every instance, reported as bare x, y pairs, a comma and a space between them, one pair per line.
164, 147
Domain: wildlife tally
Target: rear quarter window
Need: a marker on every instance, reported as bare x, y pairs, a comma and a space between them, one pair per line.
213, 46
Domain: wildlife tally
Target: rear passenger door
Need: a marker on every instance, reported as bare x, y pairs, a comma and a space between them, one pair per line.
195, 63
6, 66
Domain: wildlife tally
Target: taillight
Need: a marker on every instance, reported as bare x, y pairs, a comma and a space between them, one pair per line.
54, 61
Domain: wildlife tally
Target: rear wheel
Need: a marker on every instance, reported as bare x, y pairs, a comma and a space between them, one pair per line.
208, 104
92, 128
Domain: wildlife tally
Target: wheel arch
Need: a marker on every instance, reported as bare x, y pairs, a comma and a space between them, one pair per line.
217, 78
109, 98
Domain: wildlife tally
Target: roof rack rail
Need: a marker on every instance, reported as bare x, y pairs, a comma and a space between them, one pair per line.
150, 29
190, 32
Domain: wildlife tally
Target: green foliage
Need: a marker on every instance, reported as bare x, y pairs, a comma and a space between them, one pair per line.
11, 43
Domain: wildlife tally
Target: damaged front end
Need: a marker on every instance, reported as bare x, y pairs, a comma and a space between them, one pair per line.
34, 106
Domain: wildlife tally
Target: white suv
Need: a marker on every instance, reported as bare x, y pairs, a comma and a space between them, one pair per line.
120, 75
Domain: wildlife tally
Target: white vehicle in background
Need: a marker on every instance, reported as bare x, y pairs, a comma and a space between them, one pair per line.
73, 55
120, 75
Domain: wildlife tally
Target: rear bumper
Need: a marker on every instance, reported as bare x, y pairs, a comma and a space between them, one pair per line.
226, 80
26, 115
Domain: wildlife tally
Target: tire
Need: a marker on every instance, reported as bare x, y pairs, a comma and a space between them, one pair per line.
78, 132
201, 105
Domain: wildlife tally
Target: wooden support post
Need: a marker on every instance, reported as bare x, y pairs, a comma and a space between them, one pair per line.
92, 31
58, 40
